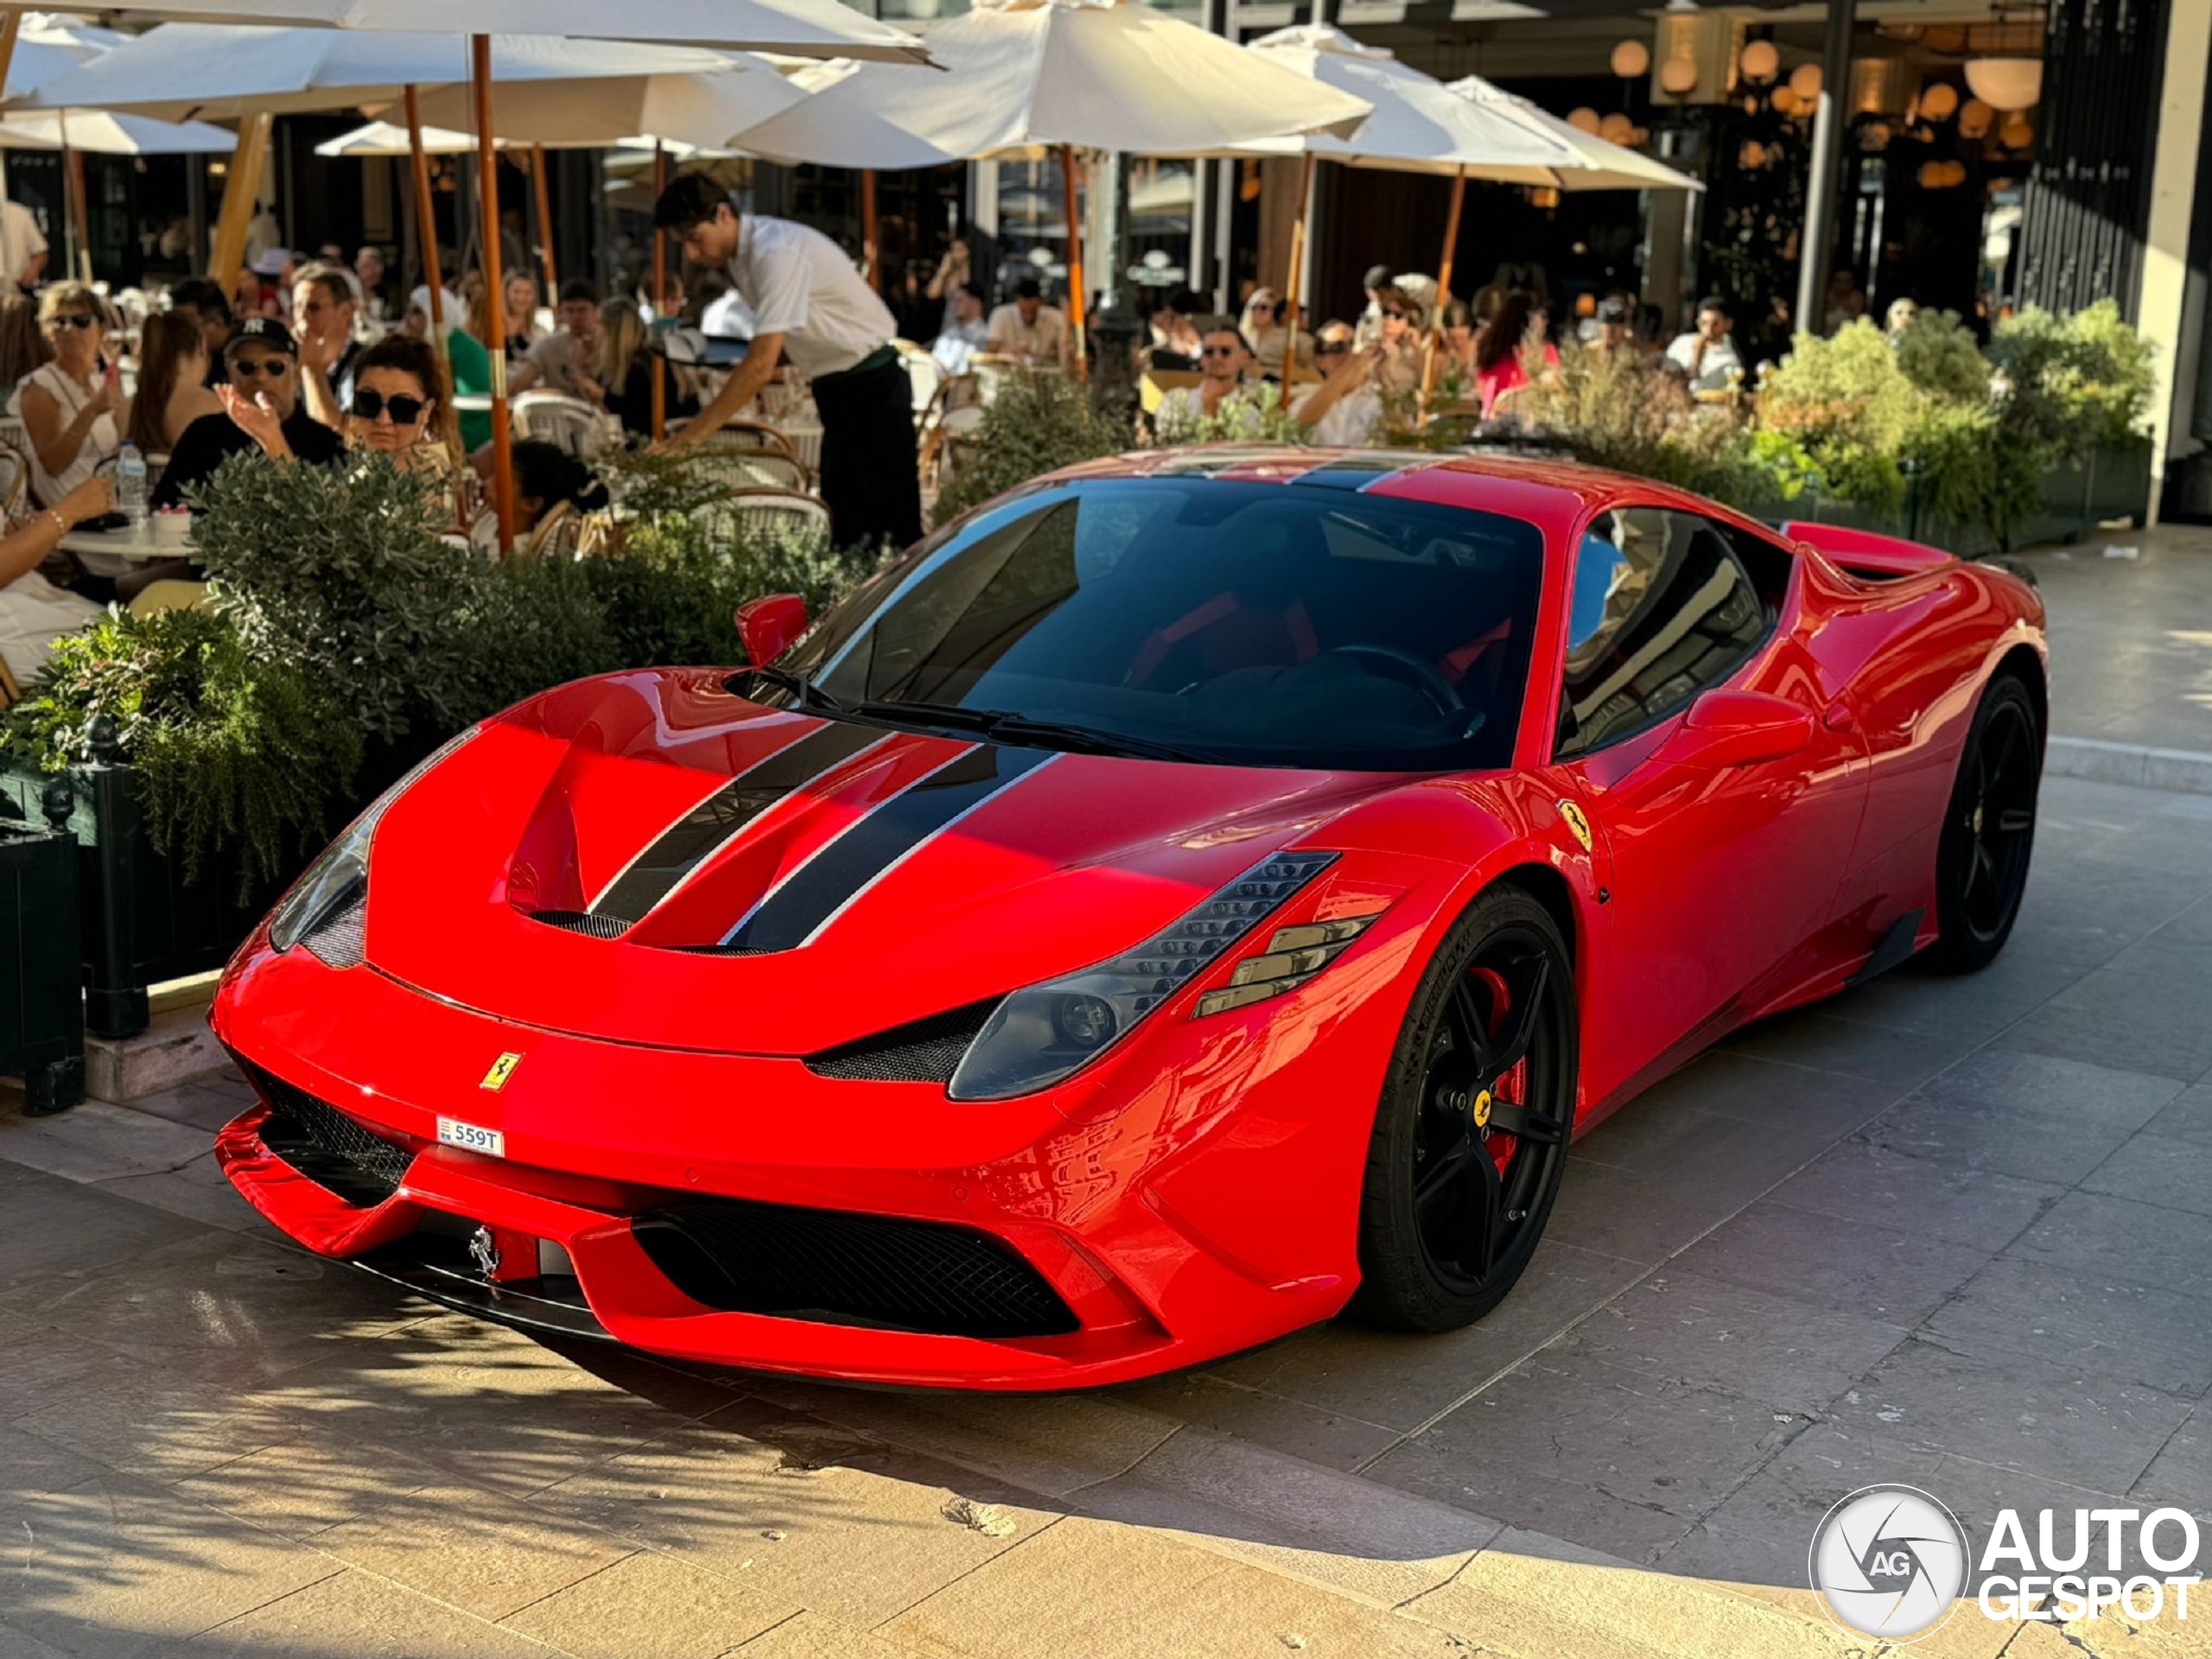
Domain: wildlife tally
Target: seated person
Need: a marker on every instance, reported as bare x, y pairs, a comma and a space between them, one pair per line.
1029, 329
570, 360
261, 408
1706, 356
34, 613
545, 476
965, 331
1344, 410
1228, 391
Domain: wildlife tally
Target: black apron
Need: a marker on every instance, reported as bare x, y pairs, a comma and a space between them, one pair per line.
871, 481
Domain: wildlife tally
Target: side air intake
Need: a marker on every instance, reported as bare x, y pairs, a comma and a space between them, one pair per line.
923, 1050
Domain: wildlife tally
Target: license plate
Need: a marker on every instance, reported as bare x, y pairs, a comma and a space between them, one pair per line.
454, 1133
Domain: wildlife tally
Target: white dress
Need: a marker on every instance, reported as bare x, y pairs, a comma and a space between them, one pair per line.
102, 440
32, 613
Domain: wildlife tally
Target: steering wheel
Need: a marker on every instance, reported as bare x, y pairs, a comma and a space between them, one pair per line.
1424, 675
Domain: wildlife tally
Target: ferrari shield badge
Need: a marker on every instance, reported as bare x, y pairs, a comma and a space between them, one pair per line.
504, 1067
1572, 816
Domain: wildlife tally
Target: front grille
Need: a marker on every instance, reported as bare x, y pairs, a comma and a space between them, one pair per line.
923, 1050
325, 1145
582, 921
839, 1269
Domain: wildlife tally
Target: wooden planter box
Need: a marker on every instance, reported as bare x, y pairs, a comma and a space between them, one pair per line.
142, 922
41, 1005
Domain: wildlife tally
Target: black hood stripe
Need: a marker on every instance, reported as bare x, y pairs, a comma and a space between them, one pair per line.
819, 891
685, 845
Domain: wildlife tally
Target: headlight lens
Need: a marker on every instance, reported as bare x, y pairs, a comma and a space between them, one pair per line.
1046, 1032
339, 879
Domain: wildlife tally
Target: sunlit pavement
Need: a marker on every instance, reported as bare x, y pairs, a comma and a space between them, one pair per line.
1947, 1232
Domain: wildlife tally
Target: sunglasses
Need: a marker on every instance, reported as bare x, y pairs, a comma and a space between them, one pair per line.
1395, 316
1220, 351
72, 320
273, 368
405, 410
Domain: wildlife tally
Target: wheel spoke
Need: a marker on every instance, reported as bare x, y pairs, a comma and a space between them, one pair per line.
1436, 1182
1983, 868
1528, 1003
1473, 1030
1515, 1120
1490, 1220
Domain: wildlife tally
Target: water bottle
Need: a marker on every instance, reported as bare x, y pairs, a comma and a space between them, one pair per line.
130, 486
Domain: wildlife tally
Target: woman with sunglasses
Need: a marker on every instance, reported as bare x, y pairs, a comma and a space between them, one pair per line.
72, 408
1265, 326
400, 410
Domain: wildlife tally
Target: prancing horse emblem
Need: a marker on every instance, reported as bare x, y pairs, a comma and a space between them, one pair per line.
1572, 816
484, 1251
504, 1067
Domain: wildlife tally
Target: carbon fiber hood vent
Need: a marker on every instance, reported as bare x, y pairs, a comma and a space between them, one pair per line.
924, 1051
582, 921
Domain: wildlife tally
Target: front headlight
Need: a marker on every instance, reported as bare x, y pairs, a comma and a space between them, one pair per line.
339, 881
1046, 1032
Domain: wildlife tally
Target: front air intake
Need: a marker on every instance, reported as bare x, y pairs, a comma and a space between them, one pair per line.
323, 1144
922, 1051
835, 1268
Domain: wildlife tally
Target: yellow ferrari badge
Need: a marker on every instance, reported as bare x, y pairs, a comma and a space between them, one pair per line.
502, 1069
1573, 816
1482, 1109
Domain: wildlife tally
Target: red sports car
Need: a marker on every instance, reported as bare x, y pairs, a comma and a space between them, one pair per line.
1191, 897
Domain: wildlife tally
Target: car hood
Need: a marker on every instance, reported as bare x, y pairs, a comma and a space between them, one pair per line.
649, 858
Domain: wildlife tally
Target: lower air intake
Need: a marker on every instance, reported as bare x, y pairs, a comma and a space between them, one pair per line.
325, 1145
924, 1051
835, 1268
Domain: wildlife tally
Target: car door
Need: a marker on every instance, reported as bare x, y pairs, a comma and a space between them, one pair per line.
1718, 768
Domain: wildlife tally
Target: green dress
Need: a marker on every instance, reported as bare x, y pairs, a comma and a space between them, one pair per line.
472, 373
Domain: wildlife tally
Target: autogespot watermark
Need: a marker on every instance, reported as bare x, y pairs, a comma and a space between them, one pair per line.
1892, 1563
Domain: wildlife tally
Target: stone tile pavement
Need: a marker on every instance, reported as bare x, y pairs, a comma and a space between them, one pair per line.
1949, 1231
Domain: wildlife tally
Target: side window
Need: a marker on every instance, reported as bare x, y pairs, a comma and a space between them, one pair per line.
1661, 608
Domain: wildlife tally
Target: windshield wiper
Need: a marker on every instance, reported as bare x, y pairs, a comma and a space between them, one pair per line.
805, 692
1012, 726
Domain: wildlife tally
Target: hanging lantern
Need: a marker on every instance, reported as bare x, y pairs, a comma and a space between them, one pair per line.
1939, 100
1584, 120
2017, 132
1616, 129
1975, 118
1678, 77
2008, 84
1632, 59
1930, 176
1753, 155
1784, 101
1805, 81
1762, 61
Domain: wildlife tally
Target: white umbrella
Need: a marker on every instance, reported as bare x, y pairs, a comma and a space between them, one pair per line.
180, 71
385, 141
1019, 75
689, 110
813, 28
1597, 164
105, 133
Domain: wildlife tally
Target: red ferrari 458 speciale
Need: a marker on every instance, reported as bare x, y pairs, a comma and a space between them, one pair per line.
1194, 895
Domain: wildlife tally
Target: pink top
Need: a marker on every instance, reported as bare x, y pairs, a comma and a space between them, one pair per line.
1495, 382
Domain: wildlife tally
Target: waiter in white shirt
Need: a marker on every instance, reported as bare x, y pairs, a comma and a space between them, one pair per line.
811, 307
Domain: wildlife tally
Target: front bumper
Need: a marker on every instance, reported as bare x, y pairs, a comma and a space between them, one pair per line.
1181, 1203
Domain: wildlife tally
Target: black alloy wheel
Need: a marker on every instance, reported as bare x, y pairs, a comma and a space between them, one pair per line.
1981, 868
1470, 1140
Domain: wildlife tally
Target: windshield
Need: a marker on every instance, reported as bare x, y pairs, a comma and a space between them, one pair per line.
1254, 624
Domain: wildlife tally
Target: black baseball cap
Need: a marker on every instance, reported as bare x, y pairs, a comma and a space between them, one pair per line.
263, 331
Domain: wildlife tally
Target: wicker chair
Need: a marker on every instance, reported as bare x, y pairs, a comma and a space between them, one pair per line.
753, 510
573, 425
749, 469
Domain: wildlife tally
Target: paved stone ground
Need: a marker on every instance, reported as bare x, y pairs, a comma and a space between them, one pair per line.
2131, 637
1946, 1231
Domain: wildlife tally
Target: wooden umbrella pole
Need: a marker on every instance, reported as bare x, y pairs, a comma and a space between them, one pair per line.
426, 222
1297, 270
9, 27
1075, 263
487, 161
1443, 289
660, 282
543, 191
867, 230
72, 188
239, 185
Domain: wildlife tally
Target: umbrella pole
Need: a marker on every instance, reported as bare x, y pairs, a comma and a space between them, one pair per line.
660, 282
1075, 262
1298, 233
426, 222
544, 193
487, 152
73, 192
867, 228
240, 185
1443, 289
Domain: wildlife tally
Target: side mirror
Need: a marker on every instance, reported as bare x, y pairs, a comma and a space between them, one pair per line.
769, 625
1737, 729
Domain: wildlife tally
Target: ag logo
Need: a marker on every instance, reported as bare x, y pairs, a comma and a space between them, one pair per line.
1889, 1563
502, 1069
1572, 816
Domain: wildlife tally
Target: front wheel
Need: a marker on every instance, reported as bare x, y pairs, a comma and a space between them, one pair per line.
1981, 861
1470, 1139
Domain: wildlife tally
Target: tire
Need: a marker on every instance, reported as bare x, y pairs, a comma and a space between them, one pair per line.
1989, 827
1441, 1241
